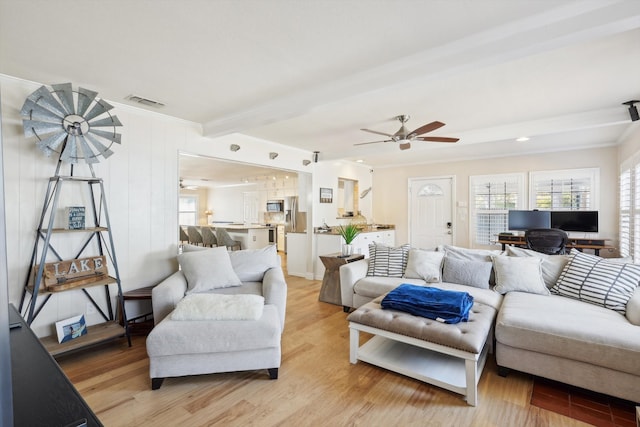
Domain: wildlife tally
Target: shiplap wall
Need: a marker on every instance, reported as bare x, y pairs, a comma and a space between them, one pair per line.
141, 183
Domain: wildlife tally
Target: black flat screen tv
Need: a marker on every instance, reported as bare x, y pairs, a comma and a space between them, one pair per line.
526, 220
585, 221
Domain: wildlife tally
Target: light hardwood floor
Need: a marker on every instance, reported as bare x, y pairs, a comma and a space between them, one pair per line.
316, 386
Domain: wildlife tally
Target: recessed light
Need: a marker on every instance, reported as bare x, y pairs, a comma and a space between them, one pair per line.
522, 139
359, 161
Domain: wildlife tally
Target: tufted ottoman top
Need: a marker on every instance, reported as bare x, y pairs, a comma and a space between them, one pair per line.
468, 336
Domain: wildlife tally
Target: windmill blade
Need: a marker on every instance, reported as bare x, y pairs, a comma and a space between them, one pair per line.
99, 108
102, 149
88, 154
111, 136
379, 133
51, 143
405, 145
374, 142
43, 97
38, 112
437, 139
85, 98
70, 151
429, 127
65, 93
34, 128
108, 121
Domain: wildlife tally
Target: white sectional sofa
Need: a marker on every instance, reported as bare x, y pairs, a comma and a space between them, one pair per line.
539, 332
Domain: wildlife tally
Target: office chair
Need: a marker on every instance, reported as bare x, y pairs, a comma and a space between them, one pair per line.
550, 241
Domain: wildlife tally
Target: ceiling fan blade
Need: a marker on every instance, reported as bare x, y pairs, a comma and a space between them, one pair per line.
437, 139
405, 145
374, 142
429, 127
379, 133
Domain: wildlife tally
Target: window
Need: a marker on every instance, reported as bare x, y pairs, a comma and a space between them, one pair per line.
188, 210
629, 189
565, 190
491, 197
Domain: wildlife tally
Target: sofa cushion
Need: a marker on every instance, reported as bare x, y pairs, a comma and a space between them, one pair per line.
206, 270
595, 280
219, 307
251, 264
467, 272
569, 329
552, 265
373, 286
523, 274
386, 261
471, 255
425, 265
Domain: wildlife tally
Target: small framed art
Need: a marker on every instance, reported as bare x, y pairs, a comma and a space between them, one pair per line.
71, 328
326, 195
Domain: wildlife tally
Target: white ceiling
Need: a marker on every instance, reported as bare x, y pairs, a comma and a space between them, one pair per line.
311, 73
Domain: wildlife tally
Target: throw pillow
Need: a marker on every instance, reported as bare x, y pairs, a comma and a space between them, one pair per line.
387, 261
206, 270
552, 265
467, 272
595, 280
521, 274
219, 307
471, 255
425, 265
251, 264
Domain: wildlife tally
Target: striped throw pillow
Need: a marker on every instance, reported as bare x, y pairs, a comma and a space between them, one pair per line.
386, 261
595, 280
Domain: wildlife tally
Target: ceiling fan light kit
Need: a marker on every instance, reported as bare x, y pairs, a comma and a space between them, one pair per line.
404, 138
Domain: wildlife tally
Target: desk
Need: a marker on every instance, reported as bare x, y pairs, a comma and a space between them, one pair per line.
42, 393
330, 291
578, 243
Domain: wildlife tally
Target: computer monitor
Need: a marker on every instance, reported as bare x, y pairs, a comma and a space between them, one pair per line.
526, 220
585, 221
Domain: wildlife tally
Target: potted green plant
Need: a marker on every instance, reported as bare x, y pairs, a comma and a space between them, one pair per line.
348, 233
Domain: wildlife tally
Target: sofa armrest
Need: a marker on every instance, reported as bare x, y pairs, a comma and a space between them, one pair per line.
166, 295
350, 273
274, 290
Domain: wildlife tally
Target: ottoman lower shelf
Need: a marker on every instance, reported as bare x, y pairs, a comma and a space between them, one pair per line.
444, 367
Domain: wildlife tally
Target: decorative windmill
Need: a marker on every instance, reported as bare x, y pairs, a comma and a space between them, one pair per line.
73, 123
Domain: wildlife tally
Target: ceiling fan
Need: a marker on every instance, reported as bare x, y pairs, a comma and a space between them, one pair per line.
187, 187
404, 137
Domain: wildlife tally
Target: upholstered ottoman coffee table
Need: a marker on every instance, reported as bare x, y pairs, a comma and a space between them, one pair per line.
450, 356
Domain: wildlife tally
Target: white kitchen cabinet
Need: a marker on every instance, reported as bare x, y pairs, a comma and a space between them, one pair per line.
280, 238
297, 254
325, 244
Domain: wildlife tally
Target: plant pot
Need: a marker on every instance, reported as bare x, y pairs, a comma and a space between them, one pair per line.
347, 250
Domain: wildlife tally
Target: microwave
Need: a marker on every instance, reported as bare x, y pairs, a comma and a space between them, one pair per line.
275, 205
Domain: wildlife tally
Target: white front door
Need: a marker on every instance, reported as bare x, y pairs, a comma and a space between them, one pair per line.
430, 212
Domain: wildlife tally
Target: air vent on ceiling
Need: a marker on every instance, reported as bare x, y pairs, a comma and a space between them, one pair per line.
145, 101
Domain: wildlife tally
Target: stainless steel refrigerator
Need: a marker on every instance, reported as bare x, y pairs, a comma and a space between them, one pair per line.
295, 221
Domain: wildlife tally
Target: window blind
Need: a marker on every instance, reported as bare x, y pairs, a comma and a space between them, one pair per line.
565, 190
491, 198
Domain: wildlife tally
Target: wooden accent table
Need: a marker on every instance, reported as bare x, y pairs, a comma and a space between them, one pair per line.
142, 324
330, 291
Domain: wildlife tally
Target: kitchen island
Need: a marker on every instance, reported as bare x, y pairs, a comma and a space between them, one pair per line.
250, 236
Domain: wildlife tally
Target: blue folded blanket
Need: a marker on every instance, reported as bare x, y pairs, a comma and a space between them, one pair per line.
433, 303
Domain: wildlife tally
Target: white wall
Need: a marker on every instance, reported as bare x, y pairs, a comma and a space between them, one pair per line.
142, 192
325, 175
390, 185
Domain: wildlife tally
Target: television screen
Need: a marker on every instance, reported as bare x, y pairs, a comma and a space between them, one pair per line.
585, 221
526, 220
